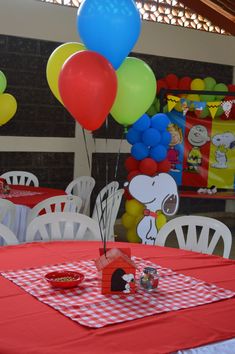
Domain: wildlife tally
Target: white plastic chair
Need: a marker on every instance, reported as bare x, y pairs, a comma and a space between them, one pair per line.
63, 226
7, 213
7, 235
202, 234
21, 178
106, 192
105, 214
82, 187
60, 203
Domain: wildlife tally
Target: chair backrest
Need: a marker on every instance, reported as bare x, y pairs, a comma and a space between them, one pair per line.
60, 203
106, 192
63, 226
82, 187
7, 213
7, 235
105, 213
21, 178
197, 233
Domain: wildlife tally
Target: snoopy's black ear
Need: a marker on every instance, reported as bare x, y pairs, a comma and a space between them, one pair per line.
170, 204
232, 145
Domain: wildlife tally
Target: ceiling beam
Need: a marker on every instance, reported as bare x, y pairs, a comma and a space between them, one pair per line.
216, 14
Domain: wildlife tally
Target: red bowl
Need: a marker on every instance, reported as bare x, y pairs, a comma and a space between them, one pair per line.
64, 278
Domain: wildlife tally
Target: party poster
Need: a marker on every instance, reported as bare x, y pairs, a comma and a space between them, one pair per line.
222, 154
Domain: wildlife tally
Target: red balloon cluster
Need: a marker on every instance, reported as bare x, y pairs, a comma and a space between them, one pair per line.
171, 81
147, 166
88, 87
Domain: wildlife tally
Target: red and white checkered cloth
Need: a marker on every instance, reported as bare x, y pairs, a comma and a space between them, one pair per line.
18, 193
87, 306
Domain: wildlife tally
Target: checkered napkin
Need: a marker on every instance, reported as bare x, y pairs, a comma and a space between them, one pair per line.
87, 306
18, 193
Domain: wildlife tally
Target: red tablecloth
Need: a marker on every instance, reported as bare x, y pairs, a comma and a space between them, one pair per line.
226, 195
29, 326
31, 200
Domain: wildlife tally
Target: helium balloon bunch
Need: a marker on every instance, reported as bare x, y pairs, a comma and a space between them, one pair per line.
8, 104
95, 77
150, 141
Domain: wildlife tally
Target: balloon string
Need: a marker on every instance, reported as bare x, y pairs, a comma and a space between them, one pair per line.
118, 155
106, 180
87, 153
99, 217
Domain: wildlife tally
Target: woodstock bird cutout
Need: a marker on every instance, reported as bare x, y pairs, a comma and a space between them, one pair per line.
156, 193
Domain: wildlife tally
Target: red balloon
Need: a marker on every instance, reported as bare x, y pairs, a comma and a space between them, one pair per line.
133, 174
161, 84
185, 83
148, 166
131, 164
164, 166
172, 81
88, 87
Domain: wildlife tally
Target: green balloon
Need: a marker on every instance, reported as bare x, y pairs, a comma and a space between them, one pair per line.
157, 105
219, 112
207, 98
3, 82
209, 83
136, 91
205, 113
220, 87
151, 111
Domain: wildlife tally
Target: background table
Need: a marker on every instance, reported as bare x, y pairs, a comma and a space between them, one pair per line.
29, 326
25, 203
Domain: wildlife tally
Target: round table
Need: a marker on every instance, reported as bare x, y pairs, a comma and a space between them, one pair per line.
30, 326
33, 196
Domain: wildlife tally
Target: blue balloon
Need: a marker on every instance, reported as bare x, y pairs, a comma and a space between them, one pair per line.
151, 137
142, 123
158, 153
109, 27
133, 136
139, 151
160, 121
165, 138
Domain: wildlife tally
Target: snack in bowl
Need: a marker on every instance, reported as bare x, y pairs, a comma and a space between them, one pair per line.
64, 279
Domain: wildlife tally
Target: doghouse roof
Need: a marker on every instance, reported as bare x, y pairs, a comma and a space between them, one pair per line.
112, 255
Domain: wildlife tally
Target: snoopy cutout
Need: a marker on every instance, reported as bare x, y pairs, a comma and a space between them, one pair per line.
156, 193
223, 143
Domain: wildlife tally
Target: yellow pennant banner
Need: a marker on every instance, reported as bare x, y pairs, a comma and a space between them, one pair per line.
213, 107
171, 102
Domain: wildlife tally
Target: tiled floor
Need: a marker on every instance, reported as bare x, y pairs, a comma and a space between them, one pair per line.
228, 219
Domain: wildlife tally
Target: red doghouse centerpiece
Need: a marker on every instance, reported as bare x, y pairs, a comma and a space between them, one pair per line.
116, 271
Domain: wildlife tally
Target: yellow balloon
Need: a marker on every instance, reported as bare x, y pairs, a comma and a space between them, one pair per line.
128, 220
8, 107
139, 218
55, 63
133, 207
161, 220
197, 84
132, 236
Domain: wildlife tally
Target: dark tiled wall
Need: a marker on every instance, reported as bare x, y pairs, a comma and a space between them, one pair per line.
23, 61
53, 169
